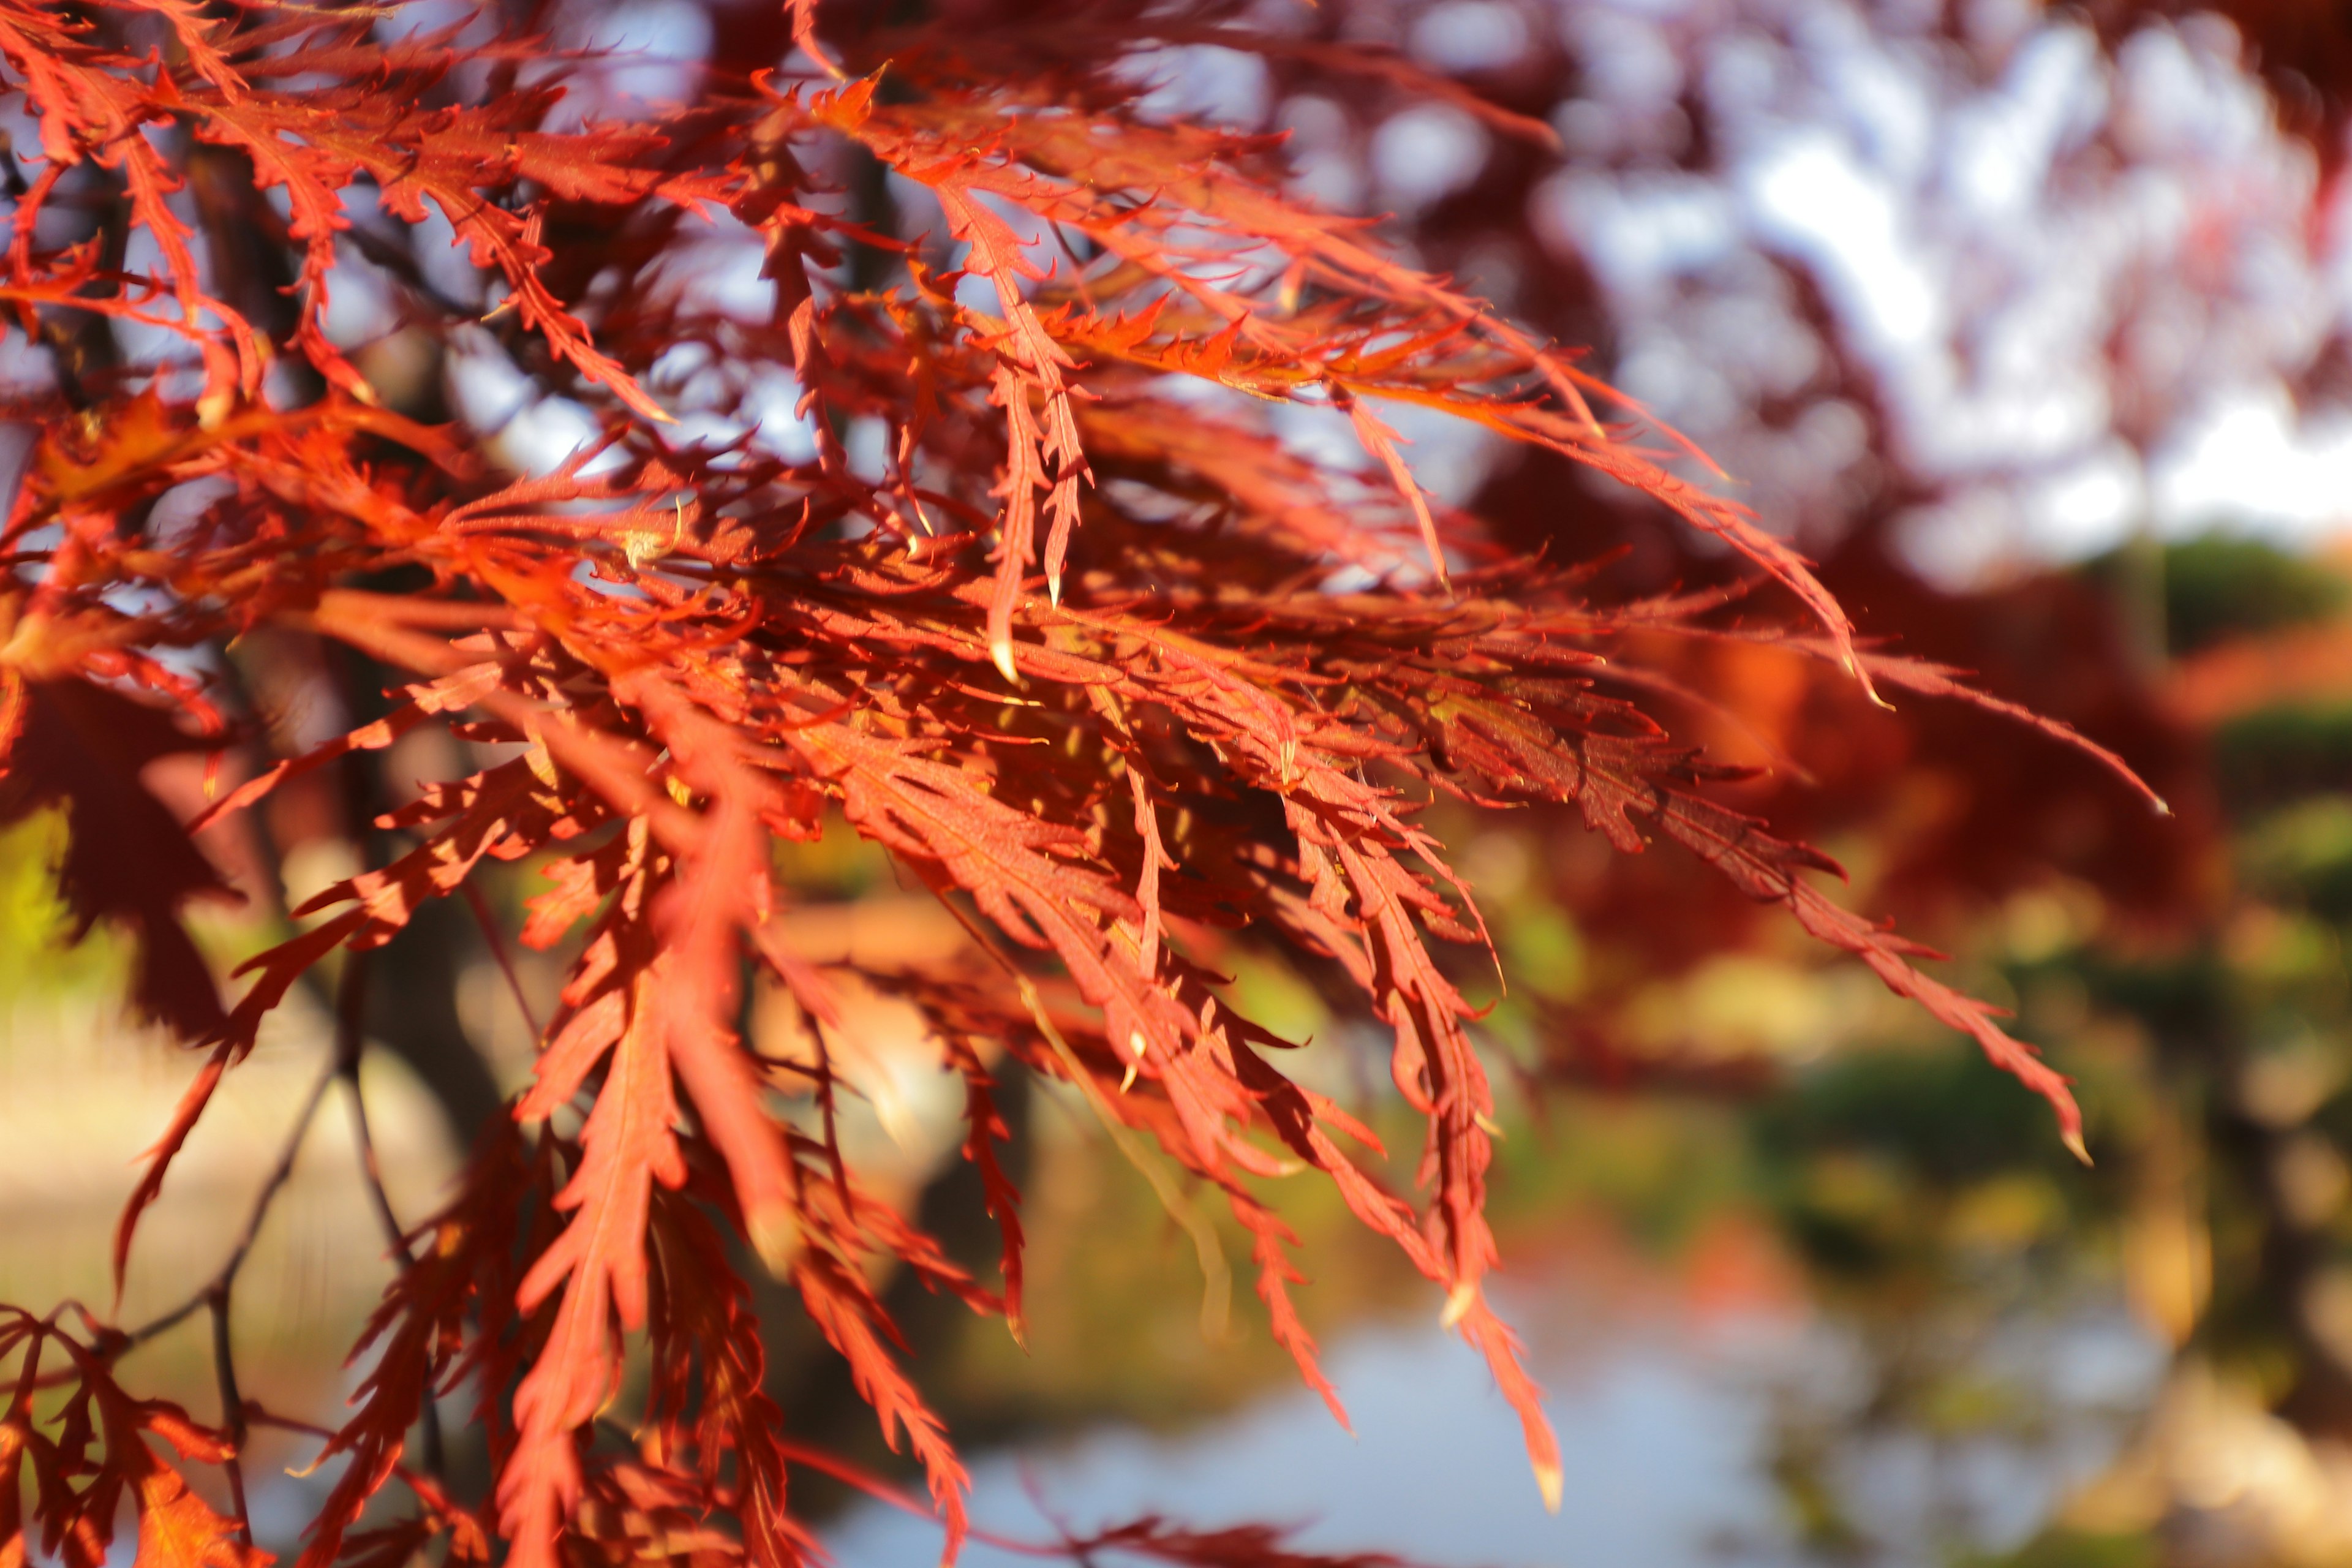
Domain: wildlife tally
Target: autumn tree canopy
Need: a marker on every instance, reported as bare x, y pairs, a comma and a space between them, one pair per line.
992, 532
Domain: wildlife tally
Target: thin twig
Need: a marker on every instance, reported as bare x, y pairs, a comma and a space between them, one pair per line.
1216, 1274
351, 1001
350, 1044
226, 1275
215, 1298
498, 944
427, 1488
232, 1408
824, 1100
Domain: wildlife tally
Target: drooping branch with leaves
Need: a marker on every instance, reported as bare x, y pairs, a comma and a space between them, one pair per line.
1037, 587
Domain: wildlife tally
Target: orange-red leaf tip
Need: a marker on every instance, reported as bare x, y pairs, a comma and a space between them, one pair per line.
776, 1237
2072, 1138
2163, 807
1487, 1125
1054, 588
1458, 1302
1001, 652
1549, 1481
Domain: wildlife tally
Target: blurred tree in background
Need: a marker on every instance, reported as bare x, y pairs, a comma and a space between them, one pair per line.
1991, 312
1963, 290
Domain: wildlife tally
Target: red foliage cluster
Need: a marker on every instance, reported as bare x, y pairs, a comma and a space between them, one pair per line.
1089, 648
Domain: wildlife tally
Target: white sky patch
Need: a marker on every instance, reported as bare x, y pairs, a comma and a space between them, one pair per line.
1422, 153
2252, 464
1462, 36
2001, 146
1324, 166
1449, 456
529, 434
773, 404
447, 262
360, 307
1638, 232
2077, 282
1871, 94
1199, 81
718, 271
1632, 61
660, 45
2091, 506
485, 386
1959, 541
1810, 196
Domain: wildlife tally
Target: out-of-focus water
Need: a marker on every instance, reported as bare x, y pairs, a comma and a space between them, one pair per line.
1691, 1418
1669, 1432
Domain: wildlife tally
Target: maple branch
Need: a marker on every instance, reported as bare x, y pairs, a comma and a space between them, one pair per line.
677, 649
215, 1299
1146, 1536
232, 1407
217, 1288
1216, 1274
425, 1486
351, 1002
498, 946
350, 1006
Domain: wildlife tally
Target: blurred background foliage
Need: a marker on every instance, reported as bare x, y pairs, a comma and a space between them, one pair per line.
2031, 325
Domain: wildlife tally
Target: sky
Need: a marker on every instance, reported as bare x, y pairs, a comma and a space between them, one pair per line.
2082, 284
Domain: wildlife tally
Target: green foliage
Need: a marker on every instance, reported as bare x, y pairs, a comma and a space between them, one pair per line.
2282, 753
2220, 586
2303, 854
36, 958
1901, 1162
2076, 1549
